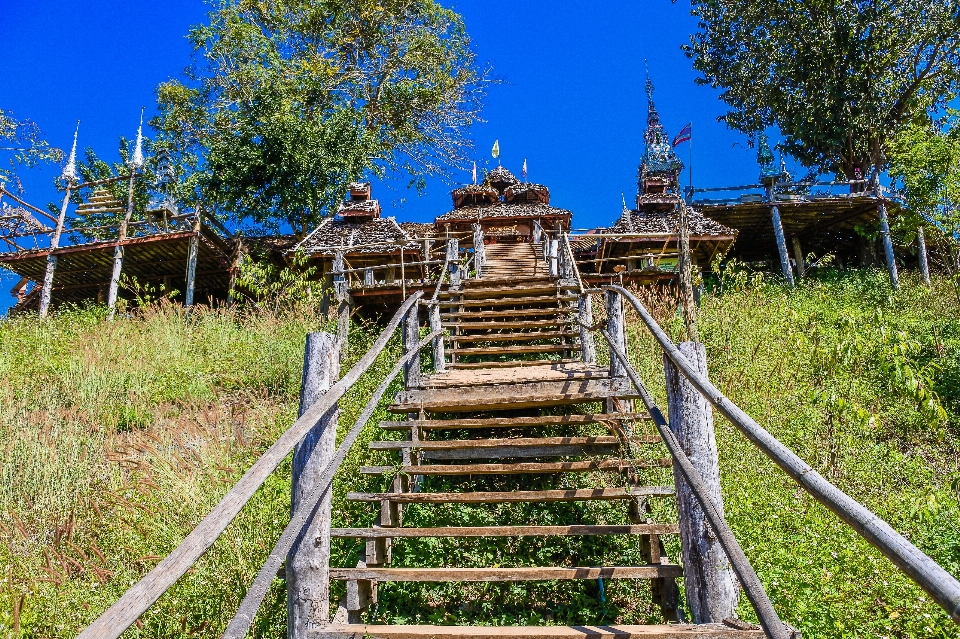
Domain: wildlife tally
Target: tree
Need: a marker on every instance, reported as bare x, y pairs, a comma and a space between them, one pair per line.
22, 145
840, 78
287, 102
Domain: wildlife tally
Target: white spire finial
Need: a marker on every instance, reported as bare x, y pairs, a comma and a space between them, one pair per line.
137, 160
70, 168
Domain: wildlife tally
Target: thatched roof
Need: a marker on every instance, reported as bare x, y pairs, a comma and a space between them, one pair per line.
505, 210
500, 179
379, 235
527, 192
419, 230
654, 222
474, 194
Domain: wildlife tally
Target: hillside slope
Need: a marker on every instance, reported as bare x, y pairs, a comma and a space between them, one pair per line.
117, 438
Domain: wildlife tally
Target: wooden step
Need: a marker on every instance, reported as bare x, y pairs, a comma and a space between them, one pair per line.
510, 301
501, 291
521, 447
516, 350
533, 573
508, 337
514, 375
610, 465
514, 422
475, 326
672, 631
518, 496
510, 364
527, 312
507, 531
511, 396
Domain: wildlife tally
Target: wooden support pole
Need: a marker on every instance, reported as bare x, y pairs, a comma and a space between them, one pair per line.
585, 315
368, 277
685, 266
479, 250
453, 262
709, 580
617, 330
308, 561
342, 295
47, 290
439, 357
781, 245
888, 245
411, 336
118, 251
798, 256
552, 255
192, 263
922, 253
235, 271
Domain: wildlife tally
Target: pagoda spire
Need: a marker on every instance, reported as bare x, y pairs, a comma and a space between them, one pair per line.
136, 161
659, 160
70, 168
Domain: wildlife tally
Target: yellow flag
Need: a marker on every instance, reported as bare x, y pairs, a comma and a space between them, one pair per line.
496, 149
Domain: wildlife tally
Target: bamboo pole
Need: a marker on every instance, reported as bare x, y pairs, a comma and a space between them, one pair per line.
118, 249
922, 253
888, 245
47, 290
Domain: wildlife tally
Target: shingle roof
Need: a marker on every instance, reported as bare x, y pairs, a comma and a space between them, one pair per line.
379, 235
655, 222
419, 230
504, 209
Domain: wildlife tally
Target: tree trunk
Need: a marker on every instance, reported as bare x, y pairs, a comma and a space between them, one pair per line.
710, 583
308, 562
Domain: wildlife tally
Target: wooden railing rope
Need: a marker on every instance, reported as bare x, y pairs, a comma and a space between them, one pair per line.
767, 615
943, 587
135, 601
240, 624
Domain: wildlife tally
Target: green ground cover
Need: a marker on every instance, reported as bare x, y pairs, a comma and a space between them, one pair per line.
116, 438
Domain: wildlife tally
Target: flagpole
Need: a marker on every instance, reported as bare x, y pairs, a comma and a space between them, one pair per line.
690, 173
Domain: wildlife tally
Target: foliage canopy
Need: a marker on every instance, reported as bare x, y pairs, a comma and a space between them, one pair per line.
22, 145
288, 101
840, 78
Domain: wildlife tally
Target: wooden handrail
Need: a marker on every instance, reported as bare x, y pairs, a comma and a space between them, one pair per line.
573, 261
943, 587
240, 624
135, 601
766, 614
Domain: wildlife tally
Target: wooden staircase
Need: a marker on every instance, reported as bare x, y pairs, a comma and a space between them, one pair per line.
486, 432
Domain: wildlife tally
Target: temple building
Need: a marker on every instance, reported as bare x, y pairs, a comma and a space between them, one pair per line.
644, 243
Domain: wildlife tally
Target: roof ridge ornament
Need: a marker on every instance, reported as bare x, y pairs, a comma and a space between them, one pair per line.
659, 159
70, 168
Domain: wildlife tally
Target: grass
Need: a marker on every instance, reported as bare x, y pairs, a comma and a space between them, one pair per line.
116, 438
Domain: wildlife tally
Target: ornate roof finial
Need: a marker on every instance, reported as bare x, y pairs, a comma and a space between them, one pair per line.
136, 161
70, 168
768, 169
658, 156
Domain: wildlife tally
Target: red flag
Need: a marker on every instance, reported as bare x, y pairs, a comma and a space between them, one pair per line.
684, 136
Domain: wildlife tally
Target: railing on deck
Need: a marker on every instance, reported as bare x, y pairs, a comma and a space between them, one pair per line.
138, 599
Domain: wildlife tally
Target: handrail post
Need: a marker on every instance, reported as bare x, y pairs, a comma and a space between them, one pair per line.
342, 295
453, 261
411, 335
588, 348
308, 560
922, 255
616, 328
479, 250
709, 579
552, 257
439, 357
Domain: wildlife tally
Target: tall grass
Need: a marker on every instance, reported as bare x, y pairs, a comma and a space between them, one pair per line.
117, 437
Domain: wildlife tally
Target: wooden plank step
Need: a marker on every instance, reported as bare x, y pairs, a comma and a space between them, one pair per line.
612, 465
501, 291
508, 313
518, 496
509, 337
515, 350
532, 573
431, 444
511, 396
514, 375
510, 301
672, 631
510, 324
514, 422
511, 364
507, 531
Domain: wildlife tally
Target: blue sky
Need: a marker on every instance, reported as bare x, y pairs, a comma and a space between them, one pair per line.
572, 99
